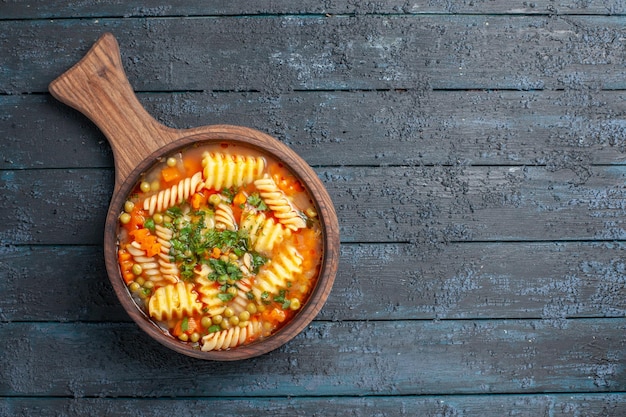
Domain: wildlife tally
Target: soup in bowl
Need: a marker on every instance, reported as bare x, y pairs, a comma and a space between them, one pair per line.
219, 245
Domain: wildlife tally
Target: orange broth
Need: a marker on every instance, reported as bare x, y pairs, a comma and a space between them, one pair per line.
200, 277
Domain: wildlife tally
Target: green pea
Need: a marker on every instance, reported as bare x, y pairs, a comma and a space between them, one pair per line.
228, 312
217, 319
155, 185
171, 161
215, 199
232, 291
140, 281
294, 304
158, 218
145, 186
134, 287
195, 336
244, 316
129, 206
136, 269
206, 322
251, 308
234, 320
183, 337
125, 218
148, 285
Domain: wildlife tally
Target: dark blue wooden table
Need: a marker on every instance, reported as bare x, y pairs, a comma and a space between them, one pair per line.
476, 155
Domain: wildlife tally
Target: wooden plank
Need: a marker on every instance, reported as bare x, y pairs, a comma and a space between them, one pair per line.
37, 130
278, 54
424, 205
431, 205
560, 405
43, 9
327, 359
351, 128
552, 281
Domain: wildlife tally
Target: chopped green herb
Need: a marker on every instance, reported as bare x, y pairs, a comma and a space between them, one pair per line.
229, 194
225, 297
192, 240
255, 200
149, 224
214, 328
257, 261
280, 298
186, 271
174, 211
184, 326
224, 271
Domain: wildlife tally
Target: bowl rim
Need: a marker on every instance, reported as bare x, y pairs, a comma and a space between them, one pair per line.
265, 144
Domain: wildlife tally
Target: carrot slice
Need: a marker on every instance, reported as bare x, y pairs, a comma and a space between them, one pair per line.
198, 200
136, 219
177, 330
239, 199
147, 242
170, 174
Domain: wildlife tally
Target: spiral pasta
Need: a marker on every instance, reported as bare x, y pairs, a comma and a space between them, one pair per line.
224, 217
168, 269
273, 277
278, 202
223, 170
239, 303
176, 194
233, 337
208, 292
263, 233
174, 301
149, 265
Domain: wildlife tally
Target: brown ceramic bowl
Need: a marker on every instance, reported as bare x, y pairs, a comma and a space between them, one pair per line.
97, 87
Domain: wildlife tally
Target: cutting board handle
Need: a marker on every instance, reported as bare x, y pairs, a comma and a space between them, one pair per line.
97, 86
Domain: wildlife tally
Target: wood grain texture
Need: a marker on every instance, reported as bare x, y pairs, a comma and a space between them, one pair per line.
97, 87
387, 128
475, 149
549, 281
278, 54
328, 359
424, 205
528, 405
110, 8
